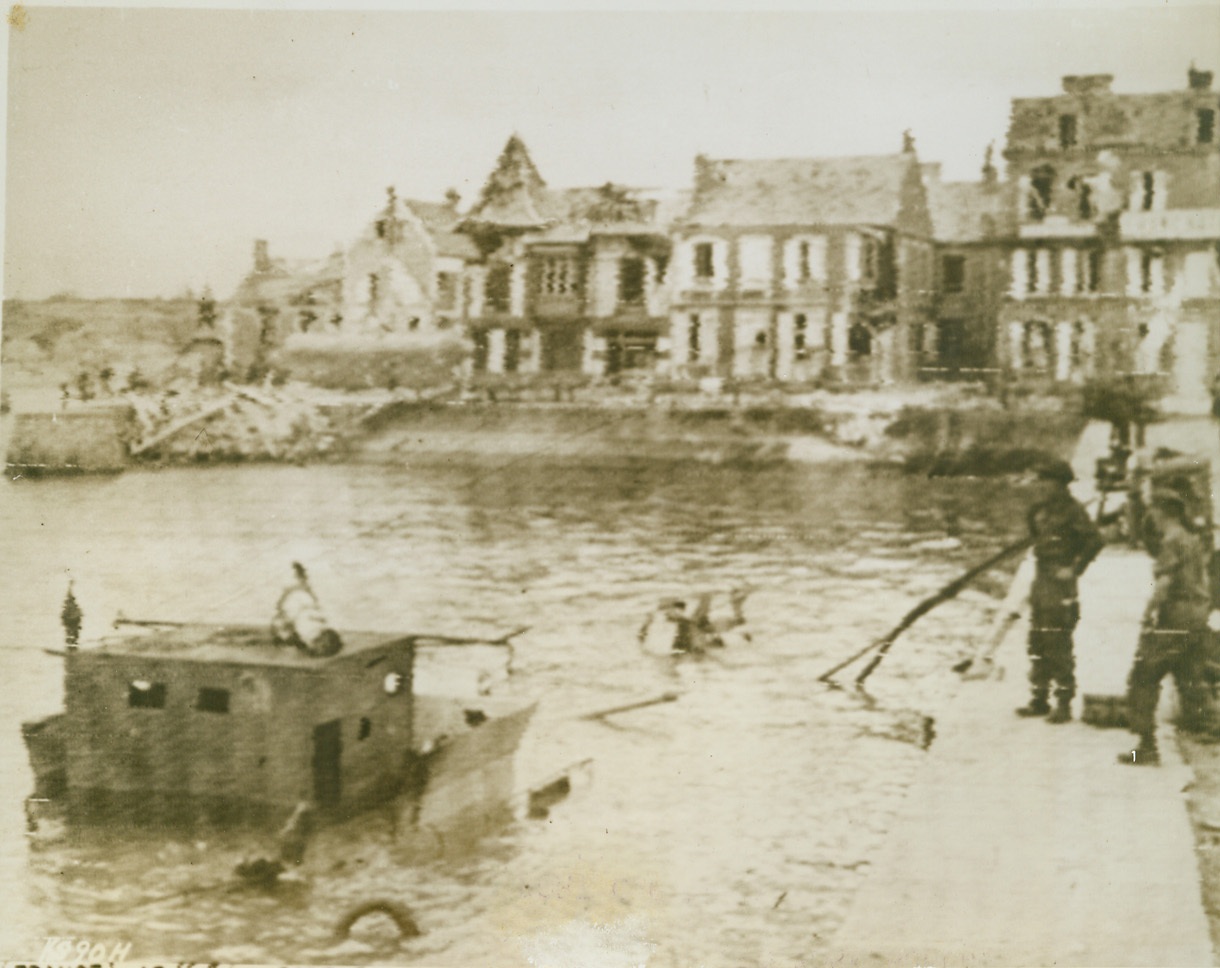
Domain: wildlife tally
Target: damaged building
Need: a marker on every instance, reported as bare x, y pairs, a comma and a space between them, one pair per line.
1115, 262
391, 302
571, 280
797, 269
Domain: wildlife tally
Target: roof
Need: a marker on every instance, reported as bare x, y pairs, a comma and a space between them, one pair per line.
441, 220
967, 211
288, 278
858, 190
242, 644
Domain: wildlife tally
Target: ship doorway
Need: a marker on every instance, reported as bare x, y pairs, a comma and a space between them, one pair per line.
327, 751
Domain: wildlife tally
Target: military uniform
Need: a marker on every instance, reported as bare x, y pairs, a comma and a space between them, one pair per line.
1173, 639
1065, 542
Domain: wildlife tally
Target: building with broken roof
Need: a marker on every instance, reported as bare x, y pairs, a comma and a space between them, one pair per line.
799, 268
396, 292
1115, 263
571, 280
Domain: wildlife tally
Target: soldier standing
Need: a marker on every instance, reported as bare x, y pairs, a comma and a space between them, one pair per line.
1172, 634
1065, 542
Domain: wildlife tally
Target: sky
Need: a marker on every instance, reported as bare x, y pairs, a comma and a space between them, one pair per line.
147, 148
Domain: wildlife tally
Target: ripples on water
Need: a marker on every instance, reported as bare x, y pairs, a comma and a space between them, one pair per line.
729, 828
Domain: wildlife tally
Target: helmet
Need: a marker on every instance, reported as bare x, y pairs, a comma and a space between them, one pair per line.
1056, 470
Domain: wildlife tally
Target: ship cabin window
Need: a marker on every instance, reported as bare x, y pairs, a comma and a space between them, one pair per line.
211, 700
142, 694
366, 728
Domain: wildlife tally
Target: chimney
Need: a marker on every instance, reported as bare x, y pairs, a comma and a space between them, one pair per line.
708, 174
453, 198
1199, 80
262, 257
1087, 83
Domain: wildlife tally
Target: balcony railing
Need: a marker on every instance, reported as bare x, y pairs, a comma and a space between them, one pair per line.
1057, 227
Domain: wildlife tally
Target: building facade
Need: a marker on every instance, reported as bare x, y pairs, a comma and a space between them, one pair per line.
798, 269
1115, 262
571, 281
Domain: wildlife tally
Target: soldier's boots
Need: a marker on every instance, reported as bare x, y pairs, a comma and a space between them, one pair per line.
1062, 712
1037, 706
1145, 754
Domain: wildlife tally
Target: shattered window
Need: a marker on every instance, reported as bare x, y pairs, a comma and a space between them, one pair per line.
1041, 186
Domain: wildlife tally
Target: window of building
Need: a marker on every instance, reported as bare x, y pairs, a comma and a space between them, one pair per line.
393, 683
559, 275
374, 288
800, 335
953, 268
1041, 187
497, 289
692, 338
446, 290
481, 350
870, 259
1089, 269
1148, 191
1206, 131
705, 266
631, 278
512, 350
1084, 197
142, 694
1031, 270
1146, 271
803, 269
860, 340
211, 700
1067, 131
366, 728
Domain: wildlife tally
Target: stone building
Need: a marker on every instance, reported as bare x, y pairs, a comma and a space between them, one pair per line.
399, 288
1115, 262
798, 268
972, 224
571, 280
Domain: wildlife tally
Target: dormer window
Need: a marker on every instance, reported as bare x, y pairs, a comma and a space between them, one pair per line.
1067, 131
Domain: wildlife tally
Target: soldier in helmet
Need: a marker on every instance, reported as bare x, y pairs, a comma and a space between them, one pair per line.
1172, 634
1065, 542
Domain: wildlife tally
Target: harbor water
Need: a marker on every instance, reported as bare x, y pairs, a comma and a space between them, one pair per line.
731, 826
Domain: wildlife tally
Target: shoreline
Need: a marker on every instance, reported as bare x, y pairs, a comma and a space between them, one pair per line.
934, 431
